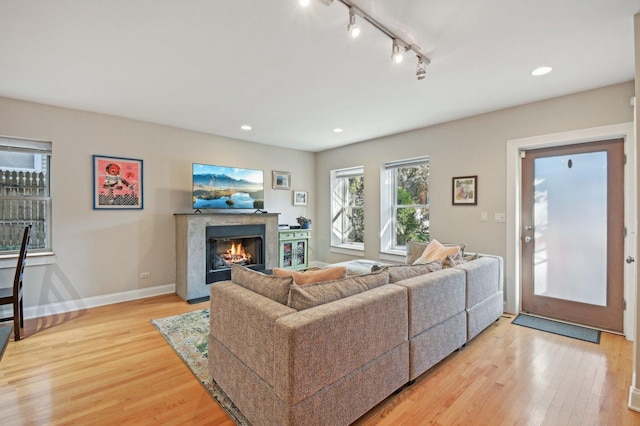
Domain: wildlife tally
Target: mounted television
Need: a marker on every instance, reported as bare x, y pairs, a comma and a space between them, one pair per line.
227, 188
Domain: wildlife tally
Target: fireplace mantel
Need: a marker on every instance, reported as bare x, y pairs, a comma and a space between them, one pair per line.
190, 247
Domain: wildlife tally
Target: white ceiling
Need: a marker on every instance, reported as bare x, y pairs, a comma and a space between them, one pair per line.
294, 74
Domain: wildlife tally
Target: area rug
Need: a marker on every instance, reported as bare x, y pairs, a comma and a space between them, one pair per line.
556, 327
187, 335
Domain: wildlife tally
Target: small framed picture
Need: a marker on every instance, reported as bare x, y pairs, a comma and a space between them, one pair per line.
281, 180
465, 191
117, 183
299, 198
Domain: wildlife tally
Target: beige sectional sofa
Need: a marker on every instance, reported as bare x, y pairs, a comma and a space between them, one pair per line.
331, 363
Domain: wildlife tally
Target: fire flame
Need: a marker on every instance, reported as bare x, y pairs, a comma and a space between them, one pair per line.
236, 254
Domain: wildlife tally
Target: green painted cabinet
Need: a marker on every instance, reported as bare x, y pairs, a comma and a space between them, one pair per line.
293, 249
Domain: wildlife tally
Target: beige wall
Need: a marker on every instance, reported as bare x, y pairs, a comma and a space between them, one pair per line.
98, 253
472, 146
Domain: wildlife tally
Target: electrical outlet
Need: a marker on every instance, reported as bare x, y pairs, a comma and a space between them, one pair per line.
499, 217
145, 274
483, 217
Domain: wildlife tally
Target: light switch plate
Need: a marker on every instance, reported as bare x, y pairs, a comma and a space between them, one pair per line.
499, 217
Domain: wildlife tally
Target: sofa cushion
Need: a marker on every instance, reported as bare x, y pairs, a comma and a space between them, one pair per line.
275, 288
437, 251
416, 248
402, 272
310, 295
309, 277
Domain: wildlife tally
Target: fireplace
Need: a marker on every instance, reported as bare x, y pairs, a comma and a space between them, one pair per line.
233, 244
192, 243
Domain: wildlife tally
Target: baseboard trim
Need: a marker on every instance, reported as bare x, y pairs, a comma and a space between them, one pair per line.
91, 302
634, 396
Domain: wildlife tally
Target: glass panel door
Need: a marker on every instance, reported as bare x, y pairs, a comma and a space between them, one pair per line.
570, 209
572, 240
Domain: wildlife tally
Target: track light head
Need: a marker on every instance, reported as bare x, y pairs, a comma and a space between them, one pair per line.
353, 28
421, 73
397, 55
399, 47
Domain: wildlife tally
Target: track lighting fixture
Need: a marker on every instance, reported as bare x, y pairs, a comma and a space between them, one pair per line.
397, 55
399, 47
353, 28
420, 73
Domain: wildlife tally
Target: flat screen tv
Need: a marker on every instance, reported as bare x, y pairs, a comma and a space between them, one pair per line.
221, 187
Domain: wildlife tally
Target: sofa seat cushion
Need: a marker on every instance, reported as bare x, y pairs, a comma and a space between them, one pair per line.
275, 288
310, 295
309, 277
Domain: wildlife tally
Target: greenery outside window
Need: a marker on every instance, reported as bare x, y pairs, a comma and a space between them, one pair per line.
404, 204
24, 194
347, 208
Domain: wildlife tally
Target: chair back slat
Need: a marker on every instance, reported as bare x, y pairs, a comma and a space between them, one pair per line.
22, 258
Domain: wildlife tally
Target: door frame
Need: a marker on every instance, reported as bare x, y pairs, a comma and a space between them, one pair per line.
513, 254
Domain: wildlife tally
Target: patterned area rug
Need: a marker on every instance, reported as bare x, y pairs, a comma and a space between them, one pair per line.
187, 335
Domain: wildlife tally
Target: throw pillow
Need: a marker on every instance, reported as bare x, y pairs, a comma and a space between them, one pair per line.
450, 262
309, 277
275, 288
402, 272
470, 257
436, 251
310, 295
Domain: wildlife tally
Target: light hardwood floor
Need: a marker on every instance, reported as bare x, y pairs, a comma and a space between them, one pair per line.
110, 365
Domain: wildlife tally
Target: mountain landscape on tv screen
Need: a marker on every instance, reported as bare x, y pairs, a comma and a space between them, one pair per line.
221, 191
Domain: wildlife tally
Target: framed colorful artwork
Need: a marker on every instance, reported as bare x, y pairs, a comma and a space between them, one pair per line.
117, 183
465, 191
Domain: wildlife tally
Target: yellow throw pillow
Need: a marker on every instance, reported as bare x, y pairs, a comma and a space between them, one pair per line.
308, 277
436, 251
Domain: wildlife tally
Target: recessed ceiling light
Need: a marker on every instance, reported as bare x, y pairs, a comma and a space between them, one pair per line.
541, 71
246, 127
305, 3
338, 130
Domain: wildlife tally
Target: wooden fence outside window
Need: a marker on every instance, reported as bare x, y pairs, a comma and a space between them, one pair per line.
24, 200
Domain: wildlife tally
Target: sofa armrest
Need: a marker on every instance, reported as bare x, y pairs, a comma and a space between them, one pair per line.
320, 345
433, 298
244, 322
483, 278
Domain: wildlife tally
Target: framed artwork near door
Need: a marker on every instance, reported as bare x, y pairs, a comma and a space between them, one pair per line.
464, 191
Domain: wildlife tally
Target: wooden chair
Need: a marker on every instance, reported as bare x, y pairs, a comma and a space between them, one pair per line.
13, 295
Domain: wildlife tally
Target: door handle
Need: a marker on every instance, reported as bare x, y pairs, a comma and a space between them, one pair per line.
630, 259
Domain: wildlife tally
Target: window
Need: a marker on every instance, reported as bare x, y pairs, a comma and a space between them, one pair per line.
404, 203
24, 194
347, 208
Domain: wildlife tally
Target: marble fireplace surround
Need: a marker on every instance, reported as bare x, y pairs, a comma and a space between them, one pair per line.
191, 247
